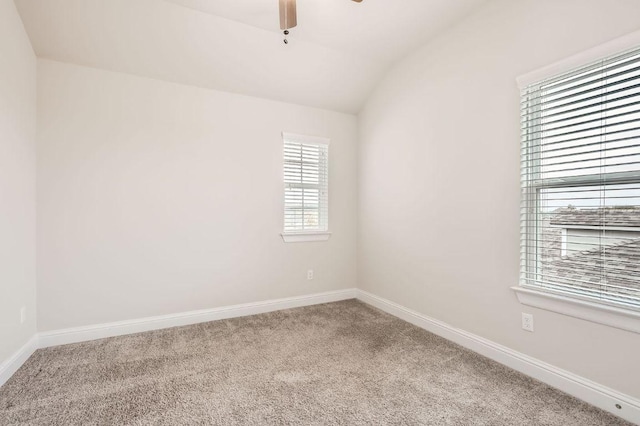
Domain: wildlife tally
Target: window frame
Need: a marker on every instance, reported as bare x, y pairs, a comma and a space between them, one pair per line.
306, 235
606, 313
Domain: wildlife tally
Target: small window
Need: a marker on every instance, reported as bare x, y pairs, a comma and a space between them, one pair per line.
580, 158
306, 188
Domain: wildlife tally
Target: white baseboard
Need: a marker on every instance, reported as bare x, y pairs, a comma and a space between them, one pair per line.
11, 365
584, 389
100, 331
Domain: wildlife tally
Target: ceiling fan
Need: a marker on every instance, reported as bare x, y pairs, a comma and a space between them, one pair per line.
288, 16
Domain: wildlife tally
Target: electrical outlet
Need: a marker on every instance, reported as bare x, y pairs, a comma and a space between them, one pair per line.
527, 322
310, 274
23, 314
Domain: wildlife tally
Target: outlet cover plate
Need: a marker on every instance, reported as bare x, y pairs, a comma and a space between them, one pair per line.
527, 322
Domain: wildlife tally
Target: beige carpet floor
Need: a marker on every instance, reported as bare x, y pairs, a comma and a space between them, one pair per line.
341, 363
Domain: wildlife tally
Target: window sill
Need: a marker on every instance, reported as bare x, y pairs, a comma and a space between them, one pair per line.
623, 319
303, 237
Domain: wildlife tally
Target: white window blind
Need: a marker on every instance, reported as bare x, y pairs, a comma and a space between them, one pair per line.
306, 184
580, 214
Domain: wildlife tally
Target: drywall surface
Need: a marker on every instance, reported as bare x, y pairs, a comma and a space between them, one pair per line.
157, 198
439, 182
17, 182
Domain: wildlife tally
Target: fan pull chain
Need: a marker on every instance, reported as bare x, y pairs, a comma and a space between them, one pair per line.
286, 33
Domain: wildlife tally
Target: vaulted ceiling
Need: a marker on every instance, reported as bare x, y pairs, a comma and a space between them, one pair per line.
336, 54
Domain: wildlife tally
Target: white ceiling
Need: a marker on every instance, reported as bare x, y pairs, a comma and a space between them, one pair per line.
336, 54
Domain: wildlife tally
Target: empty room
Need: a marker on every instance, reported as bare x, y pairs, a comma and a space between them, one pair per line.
320, 212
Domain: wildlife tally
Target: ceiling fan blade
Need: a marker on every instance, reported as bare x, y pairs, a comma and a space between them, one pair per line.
288, 17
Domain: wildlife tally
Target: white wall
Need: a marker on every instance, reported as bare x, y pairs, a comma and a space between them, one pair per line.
156, 198
439, 181
17, 182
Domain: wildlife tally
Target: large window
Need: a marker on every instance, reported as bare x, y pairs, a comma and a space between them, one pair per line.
306, 184
580, 215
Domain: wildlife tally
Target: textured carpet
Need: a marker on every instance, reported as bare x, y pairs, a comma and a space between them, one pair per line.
339, 363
